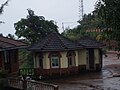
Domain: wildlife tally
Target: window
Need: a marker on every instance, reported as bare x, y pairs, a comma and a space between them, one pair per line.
40, 63
70, 61
15, 55
87, 54
55, 62
71, 58
40, 60
54, 59
6, 57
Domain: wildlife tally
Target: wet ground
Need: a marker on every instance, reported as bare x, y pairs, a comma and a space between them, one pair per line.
107, 79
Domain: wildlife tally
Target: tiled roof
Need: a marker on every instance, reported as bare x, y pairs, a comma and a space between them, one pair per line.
54, 42
89, 42
7, 43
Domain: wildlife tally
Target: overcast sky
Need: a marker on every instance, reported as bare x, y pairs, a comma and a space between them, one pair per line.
61, 11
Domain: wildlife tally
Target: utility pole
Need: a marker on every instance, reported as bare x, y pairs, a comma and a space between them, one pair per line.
63, 26
81, 10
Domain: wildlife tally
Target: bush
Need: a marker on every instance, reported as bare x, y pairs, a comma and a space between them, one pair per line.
3, 73
3, 80
3, 83
104, 52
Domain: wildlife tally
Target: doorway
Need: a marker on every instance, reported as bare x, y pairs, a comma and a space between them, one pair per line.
7, 61
91, 60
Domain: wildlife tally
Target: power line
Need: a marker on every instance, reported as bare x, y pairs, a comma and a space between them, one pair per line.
69, 24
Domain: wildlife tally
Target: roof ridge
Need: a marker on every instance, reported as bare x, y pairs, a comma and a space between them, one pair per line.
12, 39
61, 40
47, 40
57, 35
88, 41
55, 41
7, 42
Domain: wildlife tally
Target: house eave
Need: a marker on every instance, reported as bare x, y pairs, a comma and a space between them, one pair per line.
50, 50
10, 48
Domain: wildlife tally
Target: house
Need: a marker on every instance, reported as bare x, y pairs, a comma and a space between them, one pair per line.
92, 57
9, 54
56, 55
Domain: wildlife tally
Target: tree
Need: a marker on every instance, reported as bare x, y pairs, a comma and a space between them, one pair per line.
89, 22
2, 7
34, 27
1, 34
11, 36
109, 10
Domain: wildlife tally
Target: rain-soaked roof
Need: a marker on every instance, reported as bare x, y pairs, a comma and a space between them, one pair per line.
57, 42
89, 42
54, 42
7, 43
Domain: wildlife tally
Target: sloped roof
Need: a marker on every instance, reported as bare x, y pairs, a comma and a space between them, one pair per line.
89, 42
7, 43
54, 42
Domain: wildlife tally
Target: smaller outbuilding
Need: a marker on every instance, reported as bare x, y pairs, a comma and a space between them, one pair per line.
93, 57
56, 55
9, 54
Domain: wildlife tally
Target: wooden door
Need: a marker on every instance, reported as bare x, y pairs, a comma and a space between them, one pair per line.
40, 60
91, 59
7, 61
40, 63
100, 57
1, 60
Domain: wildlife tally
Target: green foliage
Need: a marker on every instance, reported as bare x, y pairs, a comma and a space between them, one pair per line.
34, 27
26, 59
109, 10
3, 83
106, 17
71, 33
1, 34
3, 5
11, 36
2, 8
89, 22
3, 80
3, 74
104, 51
